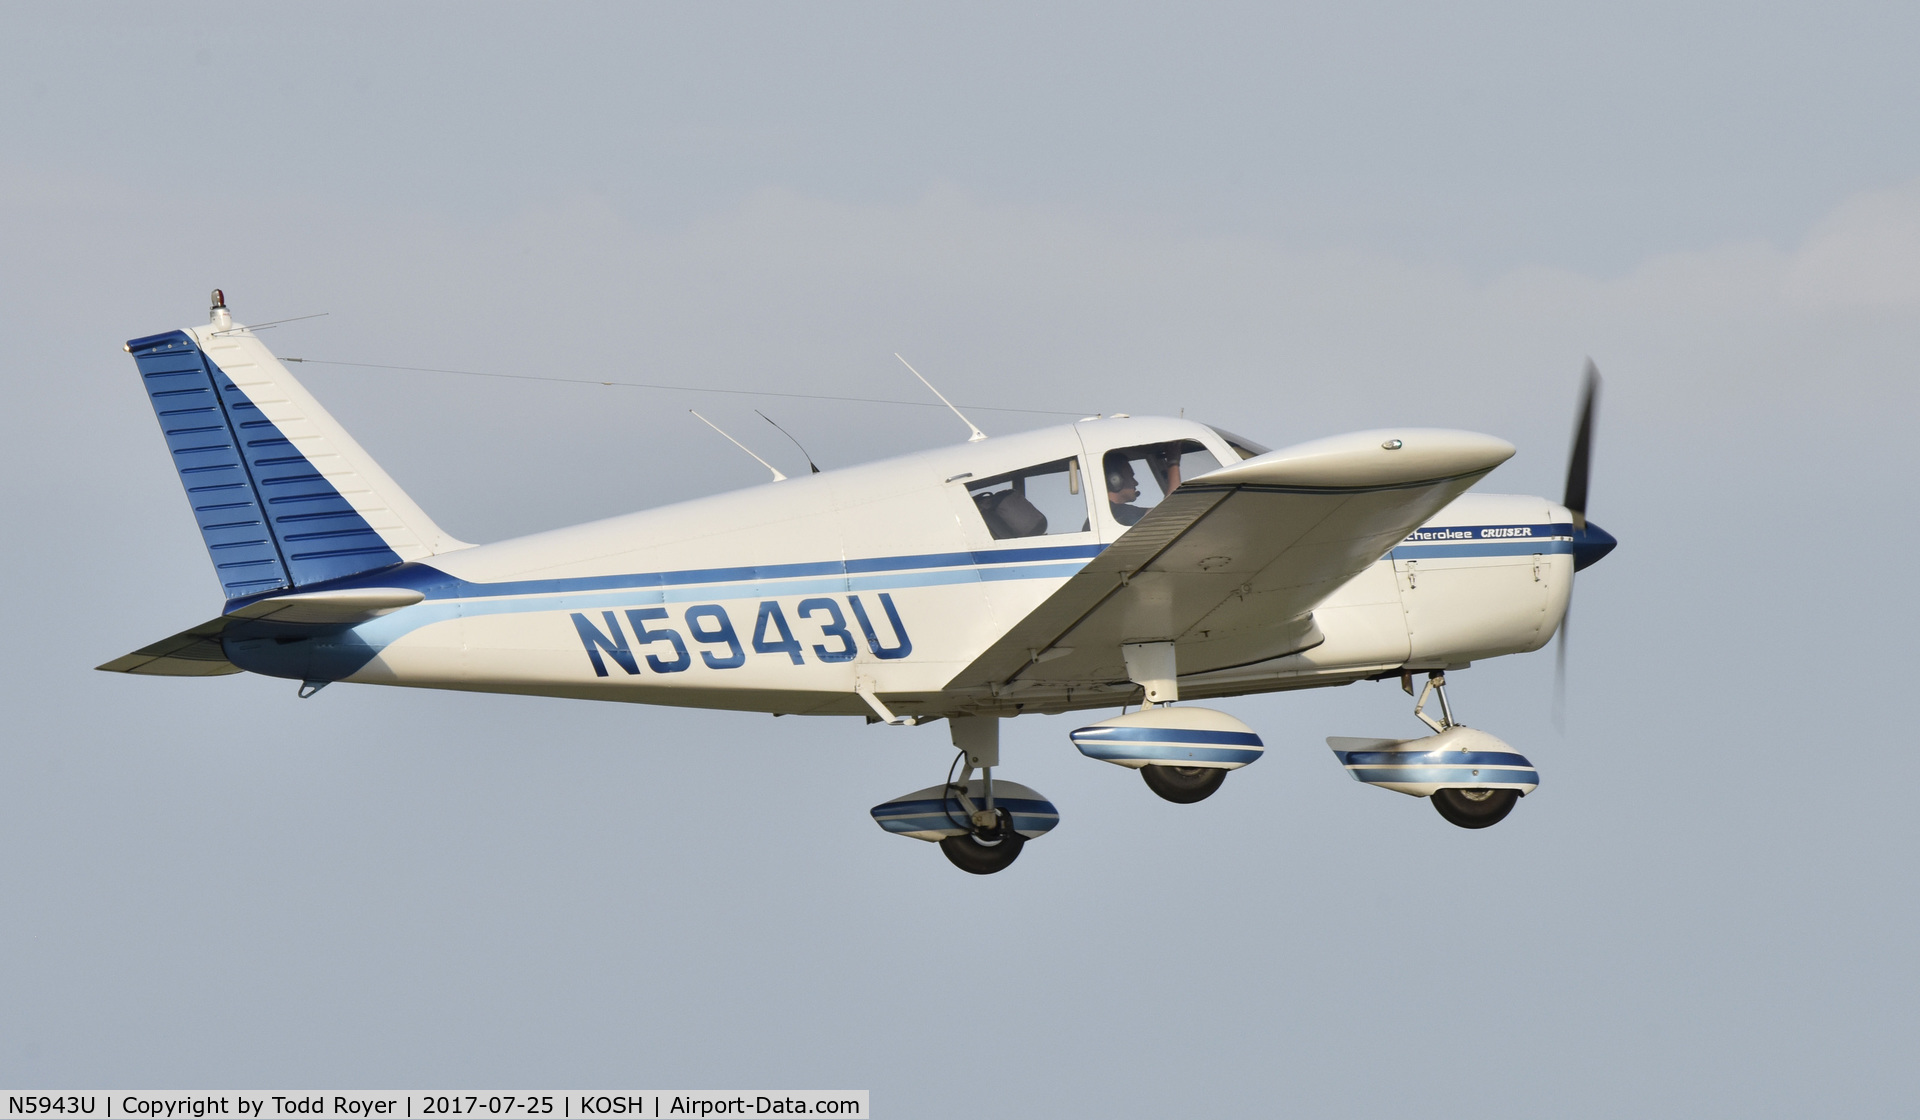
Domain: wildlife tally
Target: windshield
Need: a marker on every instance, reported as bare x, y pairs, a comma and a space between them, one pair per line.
1242, 446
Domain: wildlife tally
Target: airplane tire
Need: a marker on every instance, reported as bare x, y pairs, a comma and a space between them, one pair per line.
1475, 808
1183, 785
977, 857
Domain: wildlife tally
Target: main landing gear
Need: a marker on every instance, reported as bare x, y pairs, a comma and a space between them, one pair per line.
1182, 753
1183, 785
981, 824
991, 844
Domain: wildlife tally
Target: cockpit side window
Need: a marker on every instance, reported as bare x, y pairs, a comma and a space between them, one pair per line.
1242, 446
1139, 478
1046, 500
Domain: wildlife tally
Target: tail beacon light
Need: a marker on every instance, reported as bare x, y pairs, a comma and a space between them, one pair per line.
1457, 758
1171, 735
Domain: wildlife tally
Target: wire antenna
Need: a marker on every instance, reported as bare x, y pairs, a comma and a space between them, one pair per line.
678, 388
272, 323
789, 435
777, 476
977, 435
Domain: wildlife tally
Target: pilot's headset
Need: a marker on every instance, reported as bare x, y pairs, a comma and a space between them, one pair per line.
1119, 471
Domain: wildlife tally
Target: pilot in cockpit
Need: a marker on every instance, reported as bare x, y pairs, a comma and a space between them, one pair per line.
1123, 484
1123, 489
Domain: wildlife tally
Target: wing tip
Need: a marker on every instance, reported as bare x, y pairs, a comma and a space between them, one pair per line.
1370, 459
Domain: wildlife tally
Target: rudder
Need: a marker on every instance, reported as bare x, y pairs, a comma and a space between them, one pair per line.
284, 498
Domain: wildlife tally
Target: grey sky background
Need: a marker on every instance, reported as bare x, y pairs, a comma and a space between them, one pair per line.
1290, 222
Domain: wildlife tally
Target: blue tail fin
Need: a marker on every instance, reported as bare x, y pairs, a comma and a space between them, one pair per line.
283, 496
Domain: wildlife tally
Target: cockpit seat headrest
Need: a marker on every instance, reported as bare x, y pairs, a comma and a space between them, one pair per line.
1009, 514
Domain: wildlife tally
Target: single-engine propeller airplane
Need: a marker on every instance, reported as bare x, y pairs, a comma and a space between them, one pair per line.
1106, 563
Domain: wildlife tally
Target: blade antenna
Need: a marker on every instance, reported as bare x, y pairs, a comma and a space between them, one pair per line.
777, 476
977, 435
789, 435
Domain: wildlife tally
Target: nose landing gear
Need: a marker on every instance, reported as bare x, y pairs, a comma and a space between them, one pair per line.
1475, 808
1473, 779
1464, 807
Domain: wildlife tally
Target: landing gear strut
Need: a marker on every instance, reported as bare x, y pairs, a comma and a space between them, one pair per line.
990, 843
1151, 665
1464, 807
982, 824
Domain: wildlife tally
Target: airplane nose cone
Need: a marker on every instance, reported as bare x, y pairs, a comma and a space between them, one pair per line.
1591, 545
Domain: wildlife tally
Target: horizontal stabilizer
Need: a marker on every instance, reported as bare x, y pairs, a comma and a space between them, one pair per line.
331, 608
197, 652
190, 653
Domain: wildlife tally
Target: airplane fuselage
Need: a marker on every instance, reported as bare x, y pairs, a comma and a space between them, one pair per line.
794, 596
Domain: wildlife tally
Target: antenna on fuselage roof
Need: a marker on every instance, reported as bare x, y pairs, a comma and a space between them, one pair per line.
777, 476
977, 435
803, 451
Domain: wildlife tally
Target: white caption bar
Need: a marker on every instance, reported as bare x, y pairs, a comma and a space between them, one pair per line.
699, 1104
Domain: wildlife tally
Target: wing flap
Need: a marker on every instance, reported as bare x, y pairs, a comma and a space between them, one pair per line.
1232, 563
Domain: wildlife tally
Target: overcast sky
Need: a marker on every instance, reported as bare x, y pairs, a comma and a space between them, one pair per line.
1292, 222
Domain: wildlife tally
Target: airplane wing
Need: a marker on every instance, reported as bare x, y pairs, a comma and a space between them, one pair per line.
1231, 564
197, 652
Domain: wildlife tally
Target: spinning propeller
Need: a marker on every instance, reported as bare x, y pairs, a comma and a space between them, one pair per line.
1590, 542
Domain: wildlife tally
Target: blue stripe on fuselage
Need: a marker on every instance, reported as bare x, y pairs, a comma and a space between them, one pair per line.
448, 596
886, 572
1488, 548
640, 595
981, 565
1437, 541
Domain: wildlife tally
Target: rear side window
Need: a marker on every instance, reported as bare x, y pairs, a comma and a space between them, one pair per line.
1041, 501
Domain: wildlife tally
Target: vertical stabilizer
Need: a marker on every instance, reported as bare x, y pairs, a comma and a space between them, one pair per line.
283, 495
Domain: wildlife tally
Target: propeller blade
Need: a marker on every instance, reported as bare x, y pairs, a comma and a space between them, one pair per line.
1579, 470
1578, 466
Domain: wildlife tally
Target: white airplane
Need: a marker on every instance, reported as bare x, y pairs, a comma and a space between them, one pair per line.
1113, 562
